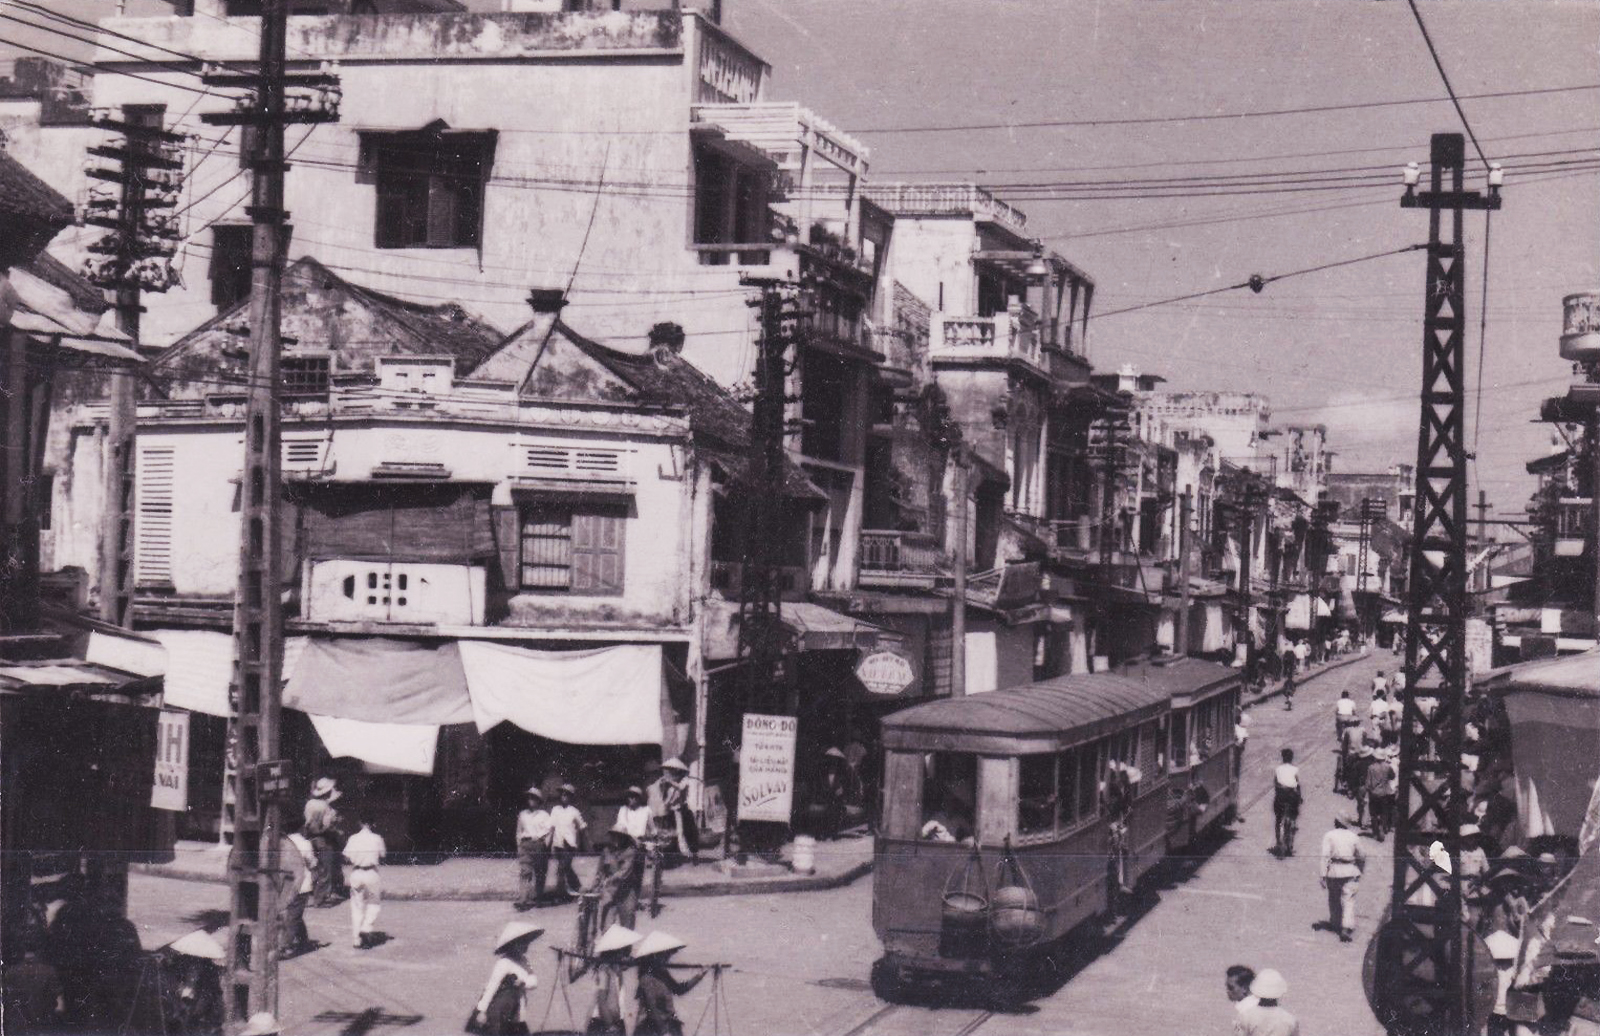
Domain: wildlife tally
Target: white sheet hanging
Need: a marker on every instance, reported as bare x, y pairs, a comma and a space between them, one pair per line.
404, 747
607, 696
199, 667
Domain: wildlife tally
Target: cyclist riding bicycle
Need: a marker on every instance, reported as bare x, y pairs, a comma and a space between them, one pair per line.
1286, 800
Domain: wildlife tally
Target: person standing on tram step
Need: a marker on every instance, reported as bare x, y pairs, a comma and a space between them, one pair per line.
568, 839
502, 1009
1267, 1017
1343, 861
364, 851
658, 1012
610, 956
534, 832
675, 815
323, 827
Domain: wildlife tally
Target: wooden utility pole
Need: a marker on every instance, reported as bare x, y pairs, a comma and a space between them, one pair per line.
958, 596
261, 782
129, 260
1181, 634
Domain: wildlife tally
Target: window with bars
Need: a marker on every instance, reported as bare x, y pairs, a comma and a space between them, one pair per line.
576, 549
303, 374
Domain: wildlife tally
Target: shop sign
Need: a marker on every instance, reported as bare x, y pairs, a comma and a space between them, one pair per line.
886, 673
273, 782
766, 768
171, 788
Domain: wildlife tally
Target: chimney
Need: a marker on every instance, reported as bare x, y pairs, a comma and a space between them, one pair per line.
547, 300
666, 339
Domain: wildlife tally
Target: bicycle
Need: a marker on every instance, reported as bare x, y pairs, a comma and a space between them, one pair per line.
654, 860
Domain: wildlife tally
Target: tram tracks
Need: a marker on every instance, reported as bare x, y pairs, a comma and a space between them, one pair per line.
880, 1019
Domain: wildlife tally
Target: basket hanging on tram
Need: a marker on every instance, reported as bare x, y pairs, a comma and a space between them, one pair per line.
1015, 918
964, 924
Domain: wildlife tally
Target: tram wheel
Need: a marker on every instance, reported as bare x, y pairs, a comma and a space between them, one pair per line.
886, 982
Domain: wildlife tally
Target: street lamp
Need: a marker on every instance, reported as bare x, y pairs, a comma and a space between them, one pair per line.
1037, 270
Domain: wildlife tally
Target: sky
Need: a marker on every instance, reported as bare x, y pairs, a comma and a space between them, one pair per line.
1340, 347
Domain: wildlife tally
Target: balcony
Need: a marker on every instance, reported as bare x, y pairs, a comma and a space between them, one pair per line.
1569, 520
1012, 336
900, 559
947, 199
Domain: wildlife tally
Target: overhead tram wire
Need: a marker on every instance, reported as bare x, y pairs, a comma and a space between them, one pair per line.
1222, 116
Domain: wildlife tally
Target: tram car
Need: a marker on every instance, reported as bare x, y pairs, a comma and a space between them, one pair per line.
1012, 817
1202, 761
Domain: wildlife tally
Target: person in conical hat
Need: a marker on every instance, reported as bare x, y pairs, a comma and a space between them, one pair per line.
611, 954
658, 990
634, 817
673, 815
502, 1009
675, 765
620, 876
262, 1023
200, 944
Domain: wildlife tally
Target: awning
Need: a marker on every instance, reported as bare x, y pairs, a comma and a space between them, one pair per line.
199, 667
607, 696
67, 674
1395, 617
396, 747
814, 627
381, 680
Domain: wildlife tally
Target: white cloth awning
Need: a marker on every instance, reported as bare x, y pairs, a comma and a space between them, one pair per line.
199, 667
397, 747
608, 696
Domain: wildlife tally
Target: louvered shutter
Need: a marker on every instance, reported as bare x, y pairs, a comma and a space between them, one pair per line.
507, 545
597, 545
153, 523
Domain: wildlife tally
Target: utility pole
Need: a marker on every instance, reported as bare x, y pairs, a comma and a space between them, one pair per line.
1363, 609
1423, 955
763, 676
134, 257
262, 781
958, 596
1181, 634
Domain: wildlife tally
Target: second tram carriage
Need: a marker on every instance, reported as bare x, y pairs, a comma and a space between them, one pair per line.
1012, 817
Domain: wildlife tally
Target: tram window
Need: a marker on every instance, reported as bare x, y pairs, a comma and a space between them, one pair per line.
949, 796
1036, 795
1066, 789
1088, 780
1180, 739
1147, 749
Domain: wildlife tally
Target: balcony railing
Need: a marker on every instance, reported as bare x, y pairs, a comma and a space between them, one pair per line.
1013, 335
1569, 523
946, 199
892, 558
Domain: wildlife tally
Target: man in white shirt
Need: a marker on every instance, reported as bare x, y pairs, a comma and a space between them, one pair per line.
295, 938
1343, 861
1302, 651
534, 831
569, 826
363, 851
1286, 799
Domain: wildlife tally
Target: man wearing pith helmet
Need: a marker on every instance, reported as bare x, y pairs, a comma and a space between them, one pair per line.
1268, 1017
658, 1013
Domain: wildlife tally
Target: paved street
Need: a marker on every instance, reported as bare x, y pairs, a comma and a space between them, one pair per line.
800, 961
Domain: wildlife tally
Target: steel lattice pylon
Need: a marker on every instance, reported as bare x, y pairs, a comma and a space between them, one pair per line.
1422, 963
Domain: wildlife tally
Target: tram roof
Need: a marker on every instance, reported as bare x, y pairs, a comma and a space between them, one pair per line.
1062, 703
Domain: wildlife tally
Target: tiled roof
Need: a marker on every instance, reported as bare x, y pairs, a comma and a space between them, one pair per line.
446, 327
31, 212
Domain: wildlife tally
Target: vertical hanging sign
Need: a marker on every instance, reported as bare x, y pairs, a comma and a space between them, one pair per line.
171, 788
766, 768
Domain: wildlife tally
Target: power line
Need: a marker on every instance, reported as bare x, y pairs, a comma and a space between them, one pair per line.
1214, 116
1426, 38
90, 70
1256, 282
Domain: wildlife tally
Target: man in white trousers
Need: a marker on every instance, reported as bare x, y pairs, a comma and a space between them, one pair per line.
363, 851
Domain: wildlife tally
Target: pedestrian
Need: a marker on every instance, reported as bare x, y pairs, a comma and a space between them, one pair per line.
610, 954
1507, 904
1350, 743
1241, 737
620, 878
1503, 948
658, 1013
1344, 713
1302, 652
534, 832
1267, 1017
567, 839
1473, 863
1236, 980
1357, 778
364, 850
1378, 715
675, 809
194, 1001
502, 1009
1287, 797
834, 792
322, 827
1380, 684
299, 864
1343, 861
1380, 793
634, 817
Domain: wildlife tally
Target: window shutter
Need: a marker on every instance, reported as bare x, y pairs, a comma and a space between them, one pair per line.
153, 524
507, 544
597, 544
